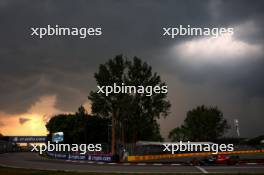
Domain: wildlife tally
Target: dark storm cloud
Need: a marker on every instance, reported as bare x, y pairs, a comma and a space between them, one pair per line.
127, 28
23, 120
64, 66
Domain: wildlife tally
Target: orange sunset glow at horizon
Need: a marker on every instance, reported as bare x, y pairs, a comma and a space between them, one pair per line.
32, 122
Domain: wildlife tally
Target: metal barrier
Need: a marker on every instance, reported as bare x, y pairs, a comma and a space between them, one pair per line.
171, 156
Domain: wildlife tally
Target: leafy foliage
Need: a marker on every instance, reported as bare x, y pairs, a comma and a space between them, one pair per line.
79, 127
178, 134
136, 114
201, 124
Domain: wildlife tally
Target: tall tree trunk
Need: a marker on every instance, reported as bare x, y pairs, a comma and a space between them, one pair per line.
123, 133
113, 133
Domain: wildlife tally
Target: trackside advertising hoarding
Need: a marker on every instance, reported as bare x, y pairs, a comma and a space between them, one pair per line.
28, 139
89, 157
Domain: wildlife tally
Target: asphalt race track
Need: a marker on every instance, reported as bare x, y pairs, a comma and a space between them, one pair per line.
33, 161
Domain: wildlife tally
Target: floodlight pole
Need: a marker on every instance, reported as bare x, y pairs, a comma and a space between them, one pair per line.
236, 122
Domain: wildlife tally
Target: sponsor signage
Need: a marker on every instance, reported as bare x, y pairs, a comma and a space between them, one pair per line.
92, 157
28, 139
77, 157
103, 158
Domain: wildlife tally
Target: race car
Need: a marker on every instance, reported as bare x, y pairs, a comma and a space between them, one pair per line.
219, 159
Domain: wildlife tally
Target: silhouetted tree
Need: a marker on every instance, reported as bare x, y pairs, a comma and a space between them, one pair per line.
178, 134
79, 127
134, 115
201, 124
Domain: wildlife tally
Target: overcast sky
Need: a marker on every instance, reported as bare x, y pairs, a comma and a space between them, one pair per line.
40, 77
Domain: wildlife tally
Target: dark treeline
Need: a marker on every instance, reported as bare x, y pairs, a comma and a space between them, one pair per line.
80, 127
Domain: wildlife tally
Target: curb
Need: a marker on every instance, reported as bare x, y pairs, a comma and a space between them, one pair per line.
124, 164
143, 164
